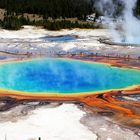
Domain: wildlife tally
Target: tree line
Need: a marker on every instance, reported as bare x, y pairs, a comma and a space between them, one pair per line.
49, 8
54, 9
137, 9
14, 23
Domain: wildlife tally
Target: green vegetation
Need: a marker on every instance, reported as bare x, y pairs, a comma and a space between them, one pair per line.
14, 23
137, 10
49, 8
64, 24
54, 13
11, 22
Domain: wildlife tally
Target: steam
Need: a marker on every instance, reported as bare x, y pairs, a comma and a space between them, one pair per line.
125, 27
131, 24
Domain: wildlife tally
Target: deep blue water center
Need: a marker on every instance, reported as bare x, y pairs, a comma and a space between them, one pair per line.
64, 76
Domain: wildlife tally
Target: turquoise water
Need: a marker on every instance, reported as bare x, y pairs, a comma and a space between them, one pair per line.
64, 76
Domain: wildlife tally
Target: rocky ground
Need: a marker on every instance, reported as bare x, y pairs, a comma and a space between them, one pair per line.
34, 40
55, 121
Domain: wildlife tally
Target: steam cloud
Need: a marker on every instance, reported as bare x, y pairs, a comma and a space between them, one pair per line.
126, 27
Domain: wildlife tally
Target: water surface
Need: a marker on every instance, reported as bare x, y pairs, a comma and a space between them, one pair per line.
61, 38
64, 76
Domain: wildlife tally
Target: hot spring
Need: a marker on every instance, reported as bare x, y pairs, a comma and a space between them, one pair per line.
60, 38
64, 76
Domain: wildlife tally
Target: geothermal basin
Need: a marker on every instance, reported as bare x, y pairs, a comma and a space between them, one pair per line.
49, 76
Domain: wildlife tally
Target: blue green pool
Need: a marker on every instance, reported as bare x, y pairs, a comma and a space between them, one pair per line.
64, 76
